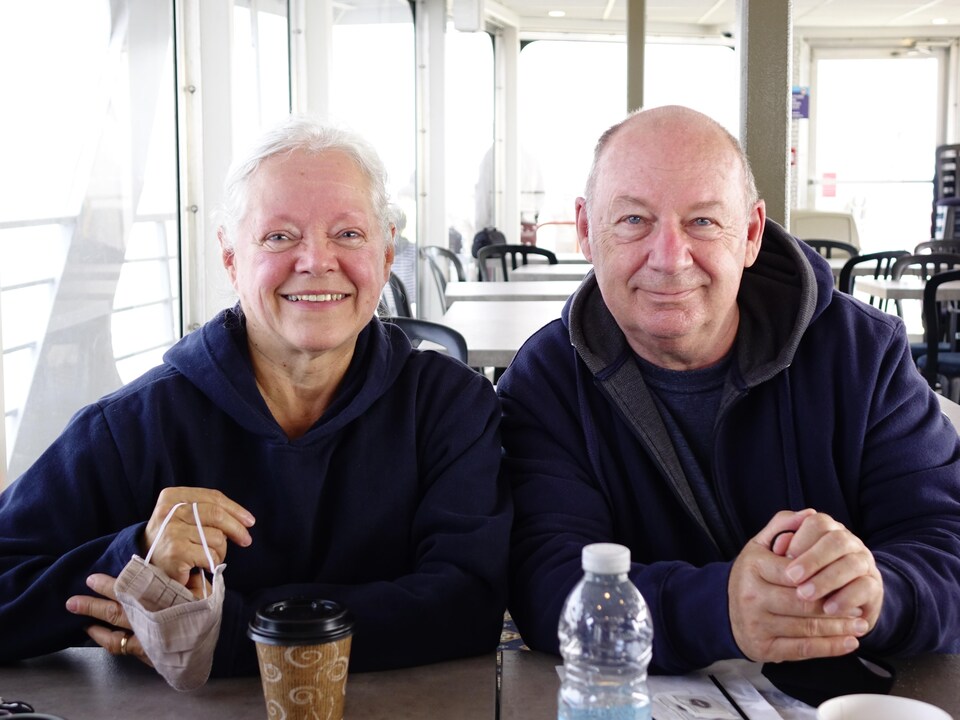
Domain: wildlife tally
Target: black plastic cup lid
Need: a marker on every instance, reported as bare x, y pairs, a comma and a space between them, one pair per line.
300, 621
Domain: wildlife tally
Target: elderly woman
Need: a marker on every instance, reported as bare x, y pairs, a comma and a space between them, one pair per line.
326, 456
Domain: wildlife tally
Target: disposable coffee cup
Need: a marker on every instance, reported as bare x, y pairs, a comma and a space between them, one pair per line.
878, 707
303, 646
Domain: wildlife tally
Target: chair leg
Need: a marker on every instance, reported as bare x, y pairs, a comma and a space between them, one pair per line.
953, 389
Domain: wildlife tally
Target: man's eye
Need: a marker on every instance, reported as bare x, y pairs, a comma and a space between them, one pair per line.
633, 219
703, 222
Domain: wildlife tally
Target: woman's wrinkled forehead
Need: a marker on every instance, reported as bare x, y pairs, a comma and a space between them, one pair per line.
332, 173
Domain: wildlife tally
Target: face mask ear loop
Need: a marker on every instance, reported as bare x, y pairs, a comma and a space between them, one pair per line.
163, 526
206, 548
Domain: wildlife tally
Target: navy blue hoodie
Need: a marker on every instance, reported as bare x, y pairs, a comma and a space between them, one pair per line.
823, 408
390, 503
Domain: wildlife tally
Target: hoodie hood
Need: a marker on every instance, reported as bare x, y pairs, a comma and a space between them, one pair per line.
216, 359
785, 290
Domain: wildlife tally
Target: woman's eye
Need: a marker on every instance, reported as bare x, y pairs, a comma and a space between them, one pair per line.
278, 241
351, 238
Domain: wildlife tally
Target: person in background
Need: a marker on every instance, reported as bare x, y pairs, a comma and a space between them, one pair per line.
786, 481
405, 258
327, 457
528, 229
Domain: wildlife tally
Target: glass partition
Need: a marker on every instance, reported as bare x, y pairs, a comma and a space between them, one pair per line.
89, 280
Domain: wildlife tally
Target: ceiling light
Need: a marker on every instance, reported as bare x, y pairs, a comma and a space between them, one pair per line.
556, 13
940, 21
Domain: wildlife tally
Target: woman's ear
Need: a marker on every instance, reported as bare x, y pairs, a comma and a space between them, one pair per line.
227, 255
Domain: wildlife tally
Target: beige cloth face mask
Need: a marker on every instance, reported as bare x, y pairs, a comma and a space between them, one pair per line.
177, 631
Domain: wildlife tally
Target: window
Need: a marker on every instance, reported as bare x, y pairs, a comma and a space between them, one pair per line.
873, 157
469, 134
573, 90
89, 282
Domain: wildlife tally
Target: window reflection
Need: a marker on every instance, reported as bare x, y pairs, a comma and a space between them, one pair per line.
469, 135
91, 172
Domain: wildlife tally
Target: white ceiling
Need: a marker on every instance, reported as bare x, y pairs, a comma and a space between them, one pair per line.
713, 15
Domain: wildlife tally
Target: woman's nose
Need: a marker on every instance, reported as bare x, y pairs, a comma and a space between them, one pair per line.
317, 254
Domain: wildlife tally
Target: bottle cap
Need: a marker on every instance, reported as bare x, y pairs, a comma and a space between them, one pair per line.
606, 558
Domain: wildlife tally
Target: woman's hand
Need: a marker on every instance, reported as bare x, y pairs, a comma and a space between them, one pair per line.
180, 549
118, 639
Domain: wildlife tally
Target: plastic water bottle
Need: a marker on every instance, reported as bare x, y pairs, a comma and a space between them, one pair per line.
606, 639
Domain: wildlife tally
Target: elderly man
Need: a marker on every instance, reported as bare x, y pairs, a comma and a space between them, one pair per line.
764, 445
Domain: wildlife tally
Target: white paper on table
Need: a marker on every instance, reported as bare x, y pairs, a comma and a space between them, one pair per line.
695, 697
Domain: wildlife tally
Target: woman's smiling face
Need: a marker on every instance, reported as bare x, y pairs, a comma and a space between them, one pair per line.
309, 259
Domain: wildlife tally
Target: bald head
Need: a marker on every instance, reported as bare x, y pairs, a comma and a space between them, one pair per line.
675, 129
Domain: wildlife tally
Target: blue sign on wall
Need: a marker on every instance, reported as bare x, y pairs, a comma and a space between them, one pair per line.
801, 102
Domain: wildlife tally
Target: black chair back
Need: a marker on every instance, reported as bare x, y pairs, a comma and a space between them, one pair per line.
502, 252
395, 300
828, 247
937, 246
927, 264
418, 330
435, 255
939, 320
882, 268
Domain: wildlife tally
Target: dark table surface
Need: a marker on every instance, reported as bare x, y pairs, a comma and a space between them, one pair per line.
90, 684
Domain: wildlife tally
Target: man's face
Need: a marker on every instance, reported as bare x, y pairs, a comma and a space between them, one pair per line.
669, 233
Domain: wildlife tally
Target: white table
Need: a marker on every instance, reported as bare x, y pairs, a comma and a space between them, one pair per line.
564, 258
908, 287
514, 290
495, 329
539, 271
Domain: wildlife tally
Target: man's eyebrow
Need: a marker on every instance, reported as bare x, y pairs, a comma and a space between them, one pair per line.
706, 205
628, 201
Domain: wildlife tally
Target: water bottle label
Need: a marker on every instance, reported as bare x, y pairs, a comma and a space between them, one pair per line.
615, 713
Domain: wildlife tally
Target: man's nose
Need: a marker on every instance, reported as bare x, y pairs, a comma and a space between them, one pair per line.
669, 249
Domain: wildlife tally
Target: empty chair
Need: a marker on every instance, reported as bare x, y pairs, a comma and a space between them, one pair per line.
877, 265
840, 226
419, 330
827, 248
395, 300
437, 256
937, 246
925, 266
523, 252
940, 361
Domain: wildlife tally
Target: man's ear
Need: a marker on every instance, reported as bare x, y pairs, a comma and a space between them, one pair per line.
583, 228
755, 225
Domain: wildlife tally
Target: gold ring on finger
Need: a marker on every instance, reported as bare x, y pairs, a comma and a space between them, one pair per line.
123, 643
